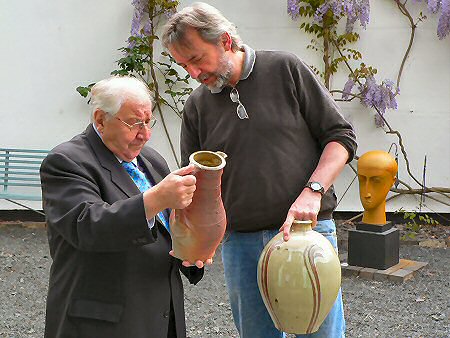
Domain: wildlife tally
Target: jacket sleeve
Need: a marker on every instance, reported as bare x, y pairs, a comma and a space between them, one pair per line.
76, 209
192, 273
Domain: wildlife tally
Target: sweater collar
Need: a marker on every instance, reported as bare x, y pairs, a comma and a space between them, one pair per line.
247, 67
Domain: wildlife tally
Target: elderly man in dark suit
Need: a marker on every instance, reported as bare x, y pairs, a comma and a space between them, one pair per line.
106, 199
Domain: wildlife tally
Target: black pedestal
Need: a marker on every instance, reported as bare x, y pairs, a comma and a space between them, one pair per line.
373, 249
373, 227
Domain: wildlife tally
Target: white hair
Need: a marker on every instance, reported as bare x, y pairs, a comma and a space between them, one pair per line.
109, 94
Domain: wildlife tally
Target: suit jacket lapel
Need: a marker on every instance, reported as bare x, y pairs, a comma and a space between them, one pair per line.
155, 175
108, 161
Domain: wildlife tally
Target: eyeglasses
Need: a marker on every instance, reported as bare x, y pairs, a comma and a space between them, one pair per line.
240, 110
139, 125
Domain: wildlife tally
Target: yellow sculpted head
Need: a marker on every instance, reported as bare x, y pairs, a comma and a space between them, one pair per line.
377, 172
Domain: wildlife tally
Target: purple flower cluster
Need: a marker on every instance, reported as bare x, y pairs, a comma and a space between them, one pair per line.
322, 10
379, 96
443, 28
139, 9
348, 88
354, 10
293, 7
169, 12
434, 6
357, 10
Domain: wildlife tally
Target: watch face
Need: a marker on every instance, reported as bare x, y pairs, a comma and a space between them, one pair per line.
315, 186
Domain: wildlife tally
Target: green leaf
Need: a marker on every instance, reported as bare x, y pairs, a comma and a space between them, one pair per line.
84, 91
172, 72
121, 72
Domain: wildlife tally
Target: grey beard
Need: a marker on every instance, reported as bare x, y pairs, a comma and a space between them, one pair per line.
223, 76
222, 81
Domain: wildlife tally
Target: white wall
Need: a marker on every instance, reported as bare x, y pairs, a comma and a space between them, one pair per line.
50, 47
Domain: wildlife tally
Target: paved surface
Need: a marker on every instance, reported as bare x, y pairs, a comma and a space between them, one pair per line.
419, 307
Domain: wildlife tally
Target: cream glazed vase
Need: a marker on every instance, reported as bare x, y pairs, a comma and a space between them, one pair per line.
299, 280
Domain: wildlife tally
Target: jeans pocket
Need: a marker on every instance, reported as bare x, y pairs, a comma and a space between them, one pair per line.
332, 238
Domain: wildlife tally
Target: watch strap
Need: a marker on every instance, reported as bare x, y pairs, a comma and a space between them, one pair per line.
316, 187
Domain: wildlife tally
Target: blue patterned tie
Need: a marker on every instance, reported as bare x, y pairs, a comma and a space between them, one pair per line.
142, 183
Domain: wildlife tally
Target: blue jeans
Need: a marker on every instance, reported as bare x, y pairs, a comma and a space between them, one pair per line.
240, 255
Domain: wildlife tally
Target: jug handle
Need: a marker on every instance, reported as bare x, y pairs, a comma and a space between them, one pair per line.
221, 154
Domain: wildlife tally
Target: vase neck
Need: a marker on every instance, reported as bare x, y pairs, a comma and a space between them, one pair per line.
301, 226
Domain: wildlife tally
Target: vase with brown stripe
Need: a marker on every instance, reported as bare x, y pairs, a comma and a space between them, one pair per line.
198, 229
299, 280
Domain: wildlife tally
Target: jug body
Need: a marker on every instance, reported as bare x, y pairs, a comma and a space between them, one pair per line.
198, 229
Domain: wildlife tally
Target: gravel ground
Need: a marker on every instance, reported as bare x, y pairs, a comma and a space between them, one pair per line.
417, 308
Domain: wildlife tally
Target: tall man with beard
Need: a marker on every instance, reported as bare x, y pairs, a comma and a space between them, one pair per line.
286, 143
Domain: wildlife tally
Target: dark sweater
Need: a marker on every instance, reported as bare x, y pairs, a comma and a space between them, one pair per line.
271, 155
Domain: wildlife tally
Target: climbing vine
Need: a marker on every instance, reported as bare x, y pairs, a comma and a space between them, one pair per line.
324, 19
331, 22
168, 86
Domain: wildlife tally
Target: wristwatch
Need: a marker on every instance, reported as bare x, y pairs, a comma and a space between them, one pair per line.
316, 187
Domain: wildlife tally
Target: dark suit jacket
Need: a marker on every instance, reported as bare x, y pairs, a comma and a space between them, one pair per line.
111, 276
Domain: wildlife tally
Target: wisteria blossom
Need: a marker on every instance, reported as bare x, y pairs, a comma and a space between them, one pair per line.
443, 28
293, 7
379, 96
322, 10
139, 9
373, 95
172, 11
433, 5
357, 10
141, 25
348, 88
442, 6
354, 10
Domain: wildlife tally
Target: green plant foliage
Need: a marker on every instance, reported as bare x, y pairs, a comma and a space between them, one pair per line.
138, 59
327, 32
84, 91
415, 222
169, 88
332, 38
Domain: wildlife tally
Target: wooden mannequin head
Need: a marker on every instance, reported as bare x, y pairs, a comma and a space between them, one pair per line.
377, 172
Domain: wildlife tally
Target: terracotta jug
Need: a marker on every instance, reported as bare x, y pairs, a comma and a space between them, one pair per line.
198, 229
299, 280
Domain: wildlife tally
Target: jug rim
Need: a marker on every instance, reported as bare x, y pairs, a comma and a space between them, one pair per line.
296, 221
219, 154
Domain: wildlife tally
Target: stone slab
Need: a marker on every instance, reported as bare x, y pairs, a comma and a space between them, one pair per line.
367, 273
350, 270
399, 273
414, 265
384, 274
